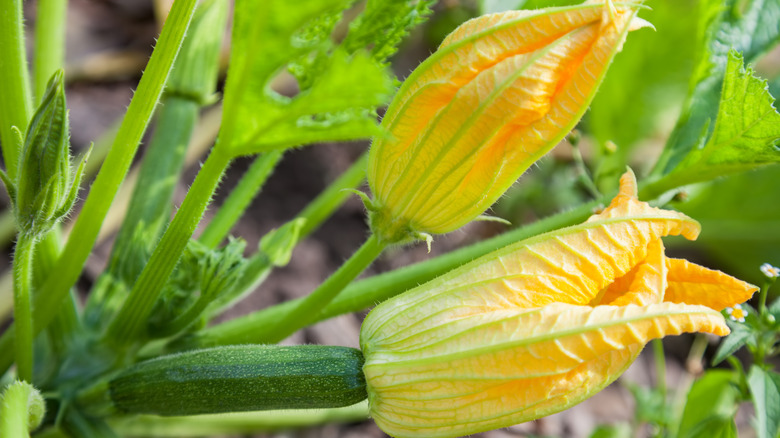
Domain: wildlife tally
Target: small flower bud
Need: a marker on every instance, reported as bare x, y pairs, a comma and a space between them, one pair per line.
500, 92
46, 187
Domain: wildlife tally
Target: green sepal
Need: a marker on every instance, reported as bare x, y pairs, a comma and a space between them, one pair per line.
367, 202
75, 185
488, 218
424, 236
242, 378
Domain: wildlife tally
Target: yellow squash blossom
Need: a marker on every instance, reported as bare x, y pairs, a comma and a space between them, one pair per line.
499, 93
538, 326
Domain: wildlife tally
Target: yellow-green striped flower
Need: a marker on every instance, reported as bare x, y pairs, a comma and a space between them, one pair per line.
538, 326
499, 93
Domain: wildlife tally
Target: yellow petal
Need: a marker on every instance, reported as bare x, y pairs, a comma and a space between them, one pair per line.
693, 284
472, 48
643, 285
502, 91
461, 153
626, 203
571, 265
510, 366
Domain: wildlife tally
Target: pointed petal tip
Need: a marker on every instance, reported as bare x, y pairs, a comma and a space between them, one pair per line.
628, 186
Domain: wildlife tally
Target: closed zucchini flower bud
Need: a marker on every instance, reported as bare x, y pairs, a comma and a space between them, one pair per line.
499, 93
538, 326
45, 188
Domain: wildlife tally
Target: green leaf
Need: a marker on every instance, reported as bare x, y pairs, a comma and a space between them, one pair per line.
765, 391
338, 88
335, 107
731, 343
740, 242
711, 406
384, 24
745, 134
750, 27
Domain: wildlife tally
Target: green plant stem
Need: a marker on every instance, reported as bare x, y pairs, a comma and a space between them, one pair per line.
49, 54
66, 324
366, 293
323, 206
15, 101
660, 368
762, 296
149, 208
239, 423
150, 203
130, 323
239, 199
23, 278
113, 171
21, 410
584, 175
693, 364
307, 310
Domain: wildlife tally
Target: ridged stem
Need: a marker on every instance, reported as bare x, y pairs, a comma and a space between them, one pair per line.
130, 323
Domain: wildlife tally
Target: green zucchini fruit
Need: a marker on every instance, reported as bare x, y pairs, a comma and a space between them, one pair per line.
242, 378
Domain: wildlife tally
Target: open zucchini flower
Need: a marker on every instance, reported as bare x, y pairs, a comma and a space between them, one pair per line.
538, 326
498, 94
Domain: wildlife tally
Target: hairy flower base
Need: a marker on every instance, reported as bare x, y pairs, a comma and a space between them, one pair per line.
538, 326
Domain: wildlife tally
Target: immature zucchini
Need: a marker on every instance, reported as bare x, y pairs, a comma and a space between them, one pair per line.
242, 378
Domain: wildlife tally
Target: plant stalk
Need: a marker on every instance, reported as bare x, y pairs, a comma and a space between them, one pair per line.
239, 199
366, 293
130, 323
306, 311
68, 268
23, 281
323, 206
49, 55
15, 101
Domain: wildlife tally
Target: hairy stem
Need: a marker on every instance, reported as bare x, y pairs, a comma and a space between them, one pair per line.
130, 323
113, 171
15, 101
306, 311
23, 277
